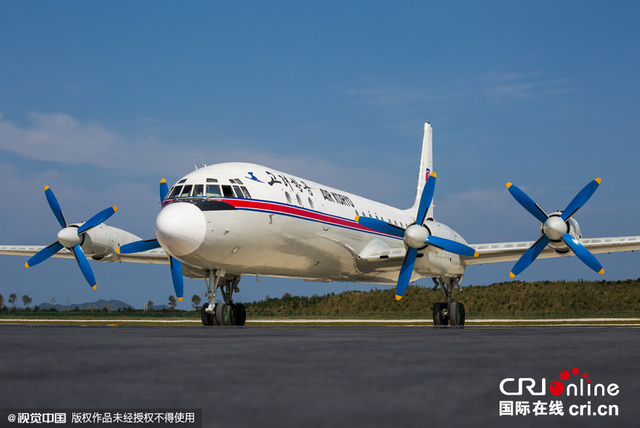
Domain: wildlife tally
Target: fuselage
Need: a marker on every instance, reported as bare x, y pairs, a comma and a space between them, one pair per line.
253, 220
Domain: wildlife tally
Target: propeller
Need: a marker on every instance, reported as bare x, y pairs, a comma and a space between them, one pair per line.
70, 237
150, 244
555, 227
416, 237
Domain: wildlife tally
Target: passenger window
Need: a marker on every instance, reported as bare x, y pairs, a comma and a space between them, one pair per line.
186, 191
227, 191
299, 200
288, 196
213, 190
198, 190
174, 192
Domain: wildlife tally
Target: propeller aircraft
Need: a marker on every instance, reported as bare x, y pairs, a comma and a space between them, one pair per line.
227, 220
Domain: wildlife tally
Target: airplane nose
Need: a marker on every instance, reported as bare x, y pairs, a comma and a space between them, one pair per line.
180, 228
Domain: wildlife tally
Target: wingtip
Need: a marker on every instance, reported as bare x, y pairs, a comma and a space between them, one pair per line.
511, 275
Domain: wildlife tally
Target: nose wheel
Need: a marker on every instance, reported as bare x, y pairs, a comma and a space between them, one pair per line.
227, 313
450, 312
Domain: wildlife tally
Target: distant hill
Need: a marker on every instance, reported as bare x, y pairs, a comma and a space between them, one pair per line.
112, 305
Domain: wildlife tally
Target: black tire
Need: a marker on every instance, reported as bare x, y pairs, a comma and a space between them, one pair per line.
457, 314
438, 320
222, 314
240, 314
207, 318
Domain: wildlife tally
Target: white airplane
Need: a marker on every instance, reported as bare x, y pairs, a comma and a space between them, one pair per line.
223, 221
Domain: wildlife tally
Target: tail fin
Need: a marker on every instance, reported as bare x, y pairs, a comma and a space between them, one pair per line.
426, 167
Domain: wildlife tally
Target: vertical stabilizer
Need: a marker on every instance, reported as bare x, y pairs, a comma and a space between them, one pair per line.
426, 167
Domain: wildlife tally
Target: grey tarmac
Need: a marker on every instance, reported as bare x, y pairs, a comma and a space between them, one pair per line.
316, 376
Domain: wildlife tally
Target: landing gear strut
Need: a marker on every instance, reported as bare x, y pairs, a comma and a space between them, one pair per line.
449, 312
227, 313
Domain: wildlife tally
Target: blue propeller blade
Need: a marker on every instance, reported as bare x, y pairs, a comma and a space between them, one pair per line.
55, 206
84, 266
451, 246
426, 198
528, 203
583, 254
176, 276
529, 256
581, 198
164, 189
139, 246
44, 254
380, 226
97, 219
405, 272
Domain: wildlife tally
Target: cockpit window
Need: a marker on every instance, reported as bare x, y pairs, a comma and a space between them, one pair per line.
228, 192
198, 190
213, 190
212, 180
186, 191
174, 192
246, 192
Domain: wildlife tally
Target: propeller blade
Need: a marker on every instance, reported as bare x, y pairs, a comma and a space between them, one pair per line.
451, 246
426, 198
529, 256
583, 254
176, 276
581, 198
380, 226
527, 203
55, 206
97, 219
84, 266
405, 272
138, 246
44, 254
164, 189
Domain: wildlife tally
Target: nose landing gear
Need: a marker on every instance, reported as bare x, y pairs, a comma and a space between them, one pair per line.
227, 313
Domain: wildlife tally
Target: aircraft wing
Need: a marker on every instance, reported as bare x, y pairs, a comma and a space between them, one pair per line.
511, 251
156, 256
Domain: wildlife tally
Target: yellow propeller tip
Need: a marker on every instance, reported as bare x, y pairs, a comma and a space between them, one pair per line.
95, 287
46, 188
357, 218
476, 254
433, 174
509, 185
26, 265
115, 209
179, 299
163, 181
601, 271
511, 275
398, 297
598, 180
118, 250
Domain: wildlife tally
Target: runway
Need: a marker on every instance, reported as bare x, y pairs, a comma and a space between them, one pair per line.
316, 376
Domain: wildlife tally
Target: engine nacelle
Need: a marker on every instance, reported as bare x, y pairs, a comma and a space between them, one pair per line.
573, 228
101, 242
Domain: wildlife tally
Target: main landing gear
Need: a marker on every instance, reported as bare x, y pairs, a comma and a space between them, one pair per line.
449, 312
227, 313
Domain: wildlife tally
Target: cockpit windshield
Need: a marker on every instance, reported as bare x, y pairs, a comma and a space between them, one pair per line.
209, 190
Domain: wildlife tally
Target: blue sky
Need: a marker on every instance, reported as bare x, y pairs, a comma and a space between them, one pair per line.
99, 100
